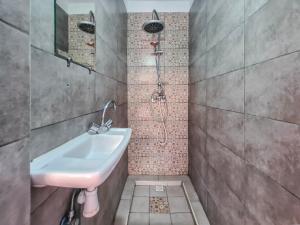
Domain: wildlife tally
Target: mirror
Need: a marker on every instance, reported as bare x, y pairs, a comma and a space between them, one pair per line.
75, 27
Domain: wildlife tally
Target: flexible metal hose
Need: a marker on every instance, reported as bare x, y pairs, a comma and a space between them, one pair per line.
161, 117
164, 119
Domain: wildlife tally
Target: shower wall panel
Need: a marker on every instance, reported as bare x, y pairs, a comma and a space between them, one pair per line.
146, 154
244, 110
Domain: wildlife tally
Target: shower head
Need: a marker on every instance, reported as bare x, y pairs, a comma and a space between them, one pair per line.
155, 25
88, 26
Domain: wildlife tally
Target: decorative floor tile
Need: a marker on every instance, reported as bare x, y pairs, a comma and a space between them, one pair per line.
159, 205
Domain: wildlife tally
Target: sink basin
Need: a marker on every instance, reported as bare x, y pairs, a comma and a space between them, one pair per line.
84, 162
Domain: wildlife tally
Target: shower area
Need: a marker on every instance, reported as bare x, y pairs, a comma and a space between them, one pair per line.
157, 58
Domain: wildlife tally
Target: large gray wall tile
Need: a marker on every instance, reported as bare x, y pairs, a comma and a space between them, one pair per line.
267, 202
53, 209
228, 128
82, 92
197, 70
226, 19
197, 19
66, 100
200, 160
199, 184
219, 158
244, 106
39, 195
105, 59
252, 6
16, 13
272, 89
14, 84
197, 115
227, 55
272, 32
229, 206
227, 91
105, 90
198, 46
213, 7
197, 139
198, 93
213, 212
42, 24
46, 138
273, 147
50, 89
15, 184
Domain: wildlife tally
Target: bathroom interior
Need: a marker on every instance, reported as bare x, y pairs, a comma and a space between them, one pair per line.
150, 112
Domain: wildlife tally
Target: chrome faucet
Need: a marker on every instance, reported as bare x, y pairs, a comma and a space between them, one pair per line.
111, 102
105, 125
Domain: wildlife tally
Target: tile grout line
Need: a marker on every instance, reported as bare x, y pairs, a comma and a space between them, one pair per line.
167, 195
130, 208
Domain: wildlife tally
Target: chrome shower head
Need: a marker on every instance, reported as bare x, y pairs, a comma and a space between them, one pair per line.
88, 26
155, 25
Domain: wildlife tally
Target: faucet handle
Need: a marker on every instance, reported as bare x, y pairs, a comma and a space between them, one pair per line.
108, 123
93, 128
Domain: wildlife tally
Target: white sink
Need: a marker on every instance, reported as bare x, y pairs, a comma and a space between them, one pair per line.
84, 162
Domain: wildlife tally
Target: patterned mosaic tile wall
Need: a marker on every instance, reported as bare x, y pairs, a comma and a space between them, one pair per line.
81, 47
146, 155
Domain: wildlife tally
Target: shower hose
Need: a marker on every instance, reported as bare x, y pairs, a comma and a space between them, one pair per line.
161, 117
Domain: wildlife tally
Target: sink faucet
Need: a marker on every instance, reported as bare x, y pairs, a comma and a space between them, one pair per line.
110, 102
105, 125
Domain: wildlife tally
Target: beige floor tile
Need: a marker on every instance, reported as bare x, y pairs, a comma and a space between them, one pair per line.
182, 219
160, 219
140, 204
175, 191
138, 219
142, 191
121, 217
178, 205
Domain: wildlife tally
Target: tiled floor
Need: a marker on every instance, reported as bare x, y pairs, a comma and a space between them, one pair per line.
168, 206
176, 203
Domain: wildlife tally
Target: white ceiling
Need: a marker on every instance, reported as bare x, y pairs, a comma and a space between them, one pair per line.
159, 5
77, 6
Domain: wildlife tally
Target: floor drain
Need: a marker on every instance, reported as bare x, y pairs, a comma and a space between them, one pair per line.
159, 188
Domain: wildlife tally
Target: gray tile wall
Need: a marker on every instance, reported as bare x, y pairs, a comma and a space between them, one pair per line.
14, 112
64, 101
244, 108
